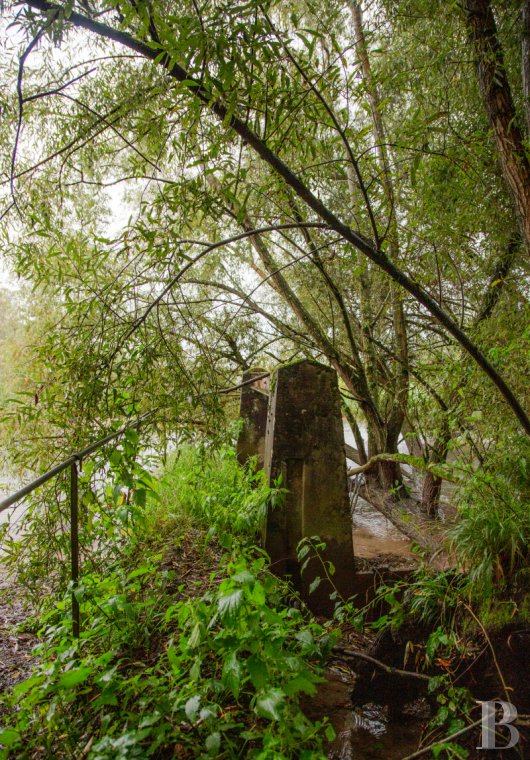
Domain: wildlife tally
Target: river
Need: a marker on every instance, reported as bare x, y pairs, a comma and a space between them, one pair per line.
373, 534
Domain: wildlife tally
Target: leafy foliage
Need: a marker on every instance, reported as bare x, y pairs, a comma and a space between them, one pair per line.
218, 672
209, 485
492, 535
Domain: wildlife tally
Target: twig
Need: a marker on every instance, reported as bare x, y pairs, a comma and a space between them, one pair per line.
424, 751
354, 654
507, 689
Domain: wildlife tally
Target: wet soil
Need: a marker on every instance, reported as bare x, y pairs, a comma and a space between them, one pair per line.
16, 659
365, 725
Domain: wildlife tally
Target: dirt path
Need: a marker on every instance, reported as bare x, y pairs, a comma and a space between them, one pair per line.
15, 648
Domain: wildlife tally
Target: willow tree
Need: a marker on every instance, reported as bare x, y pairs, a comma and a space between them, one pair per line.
298, 191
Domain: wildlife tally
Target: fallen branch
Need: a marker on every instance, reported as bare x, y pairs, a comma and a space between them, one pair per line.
354, 654
437, 469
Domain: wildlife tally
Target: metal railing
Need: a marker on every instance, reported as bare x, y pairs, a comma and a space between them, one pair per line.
72, 463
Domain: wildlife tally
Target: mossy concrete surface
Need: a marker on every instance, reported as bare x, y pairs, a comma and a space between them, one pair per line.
305, 445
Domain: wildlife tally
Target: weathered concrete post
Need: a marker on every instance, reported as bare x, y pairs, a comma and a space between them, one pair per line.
253, 410
305, 444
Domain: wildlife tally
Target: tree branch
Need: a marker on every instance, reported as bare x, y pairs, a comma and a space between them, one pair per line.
358, 240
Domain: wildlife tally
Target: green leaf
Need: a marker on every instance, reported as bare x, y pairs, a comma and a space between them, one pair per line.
258, 595
258, 671
74, 677
232, 674
314, 584
330, 733
300, 683
173, 659
9, 737
303, 551
229, 604
269, 704
25, 686
244, 576
195, 671
140, 497
192, 707
213, 742
195, 636
115, 457
143, 570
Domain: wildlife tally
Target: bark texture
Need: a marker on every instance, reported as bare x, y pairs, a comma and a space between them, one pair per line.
500, 107
525, 51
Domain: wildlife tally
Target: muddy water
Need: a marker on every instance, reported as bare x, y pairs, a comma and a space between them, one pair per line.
374, 535
364, 731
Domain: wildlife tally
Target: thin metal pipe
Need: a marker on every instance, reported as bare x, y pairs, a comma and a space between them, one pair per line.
74, 545
6, 503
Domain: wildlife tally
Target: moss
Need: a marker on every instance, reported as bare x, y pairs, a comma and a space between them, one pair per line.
292, 363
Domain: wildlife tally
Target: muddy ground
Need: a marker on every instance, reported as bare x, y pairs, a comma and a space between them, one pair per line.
15, 645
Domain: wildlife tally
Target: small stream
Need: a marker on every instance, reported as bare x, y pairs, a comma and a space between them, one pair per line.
364, 731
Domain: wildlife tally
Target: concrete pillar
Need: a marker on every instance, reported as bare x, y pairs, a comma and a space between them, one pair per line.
253, 410
305, 444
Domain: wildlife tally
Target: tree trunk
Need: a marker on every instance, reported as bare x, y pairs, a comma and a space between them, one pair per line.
500, 107
390, 477
430, 495
525, 50
389, 473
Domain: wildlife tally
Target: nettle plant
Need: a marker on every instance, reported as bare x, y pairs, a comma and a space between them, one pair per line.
219, 675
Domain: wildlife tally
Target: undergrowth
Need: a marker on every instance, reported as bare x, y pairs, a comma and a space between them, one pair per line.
188, 646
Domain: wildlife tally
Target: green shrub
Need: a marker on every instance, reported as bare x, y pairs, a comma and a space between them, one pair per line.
213, 487
492, 535
163, 668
